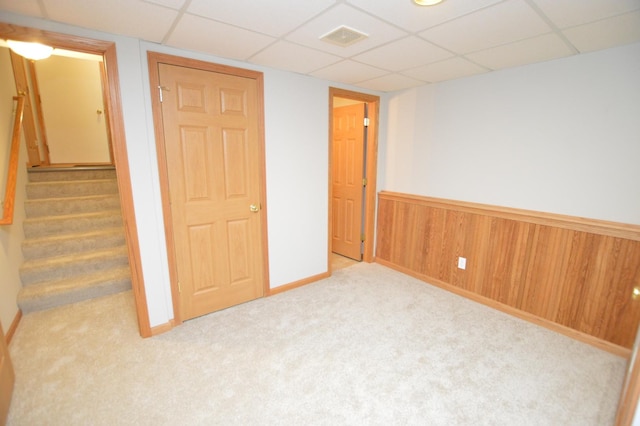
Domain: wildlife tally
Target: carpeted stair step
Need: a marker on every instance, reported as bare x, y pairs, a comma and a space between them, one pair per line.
71, 205
59, 245
69, 266
71, 224
78, 188
65, 174
50, 294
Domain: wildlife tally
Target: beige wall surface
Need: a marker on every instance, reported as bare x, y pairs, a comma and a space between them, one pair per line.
71, 94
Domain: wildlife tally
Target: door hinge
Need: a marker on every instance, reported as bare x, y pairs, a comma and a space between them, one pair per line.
179, 287
366, 121
161, 89
364, 182
362, 237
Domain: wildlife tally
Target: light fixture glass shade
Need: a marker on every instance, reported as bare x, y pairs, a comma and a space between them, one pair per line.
30, 50
427, 2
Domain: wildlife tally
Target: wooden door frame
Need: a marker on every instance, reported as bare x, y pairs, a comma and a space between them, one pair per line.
154, 59
113, 103
371, 167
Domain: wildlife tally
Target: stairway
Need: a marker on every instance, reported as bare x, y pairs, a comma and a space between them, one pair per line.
74, 247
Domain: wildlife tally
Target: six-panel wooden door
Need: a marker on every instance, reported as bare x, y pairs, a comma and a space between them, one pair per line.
347, 180
210, 123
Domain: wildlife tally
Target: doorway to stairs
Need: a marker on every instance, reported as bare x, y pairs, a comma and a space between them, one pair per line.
113, 116
68, 93
353, 154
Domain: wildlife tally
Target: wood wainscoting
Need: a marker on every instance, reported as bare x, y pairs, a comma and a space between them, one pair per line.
577, 273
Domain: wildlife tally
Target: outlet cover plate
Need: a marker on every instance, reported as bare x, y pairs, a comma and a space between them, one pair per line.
462, 262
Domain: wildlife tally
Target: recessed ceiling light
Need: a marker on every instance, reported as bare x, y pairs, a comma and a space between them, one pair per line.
427, 2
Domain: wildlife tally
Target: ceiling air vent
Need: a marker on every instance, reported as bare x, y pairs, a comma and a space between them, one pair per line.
343, 36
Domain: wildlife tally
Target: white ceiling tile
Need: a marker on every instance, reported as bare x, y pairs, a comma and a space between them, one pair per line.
454, 39
205, 35
537, 49
407, 15
400, 55
569, 13
131, 18
448, 69
24, 7
349, 72
503, 23
269, 17
173, 4
377, 31
623, 29
391, 83
293, 57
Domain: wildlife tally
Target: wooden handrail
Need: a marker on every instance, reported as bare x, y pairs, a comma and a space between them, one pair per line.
12, 173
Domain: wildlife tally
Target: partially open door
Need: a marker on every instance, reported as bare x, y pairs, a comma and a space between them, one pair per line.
7, 379
348, 180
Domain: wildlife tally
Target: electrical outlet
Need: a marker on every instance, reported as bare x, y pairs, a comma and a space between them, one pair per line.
462, 263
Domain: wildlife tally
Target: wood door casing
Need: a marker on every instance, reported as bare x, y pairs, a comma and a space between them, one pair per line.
371, 166
347, 180
211, 140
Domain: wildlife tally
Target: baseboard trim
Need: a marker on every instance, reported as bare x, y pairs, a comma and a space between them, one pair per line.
162, 328
14, 326
296, 284
569, 332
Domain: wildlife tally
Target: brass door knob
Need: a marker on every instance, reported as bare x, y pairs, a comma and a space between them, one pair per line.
254, 208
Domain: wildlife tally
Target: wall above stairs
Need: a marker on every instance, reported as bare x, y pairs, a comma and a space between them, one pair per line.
74, 247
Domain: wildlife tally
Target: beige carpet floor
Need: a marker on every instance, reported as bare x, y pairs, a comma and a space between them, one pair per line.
368, 346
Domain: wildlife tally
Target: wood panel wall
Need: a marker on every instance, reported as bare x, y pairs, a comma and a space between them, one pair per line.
577, 273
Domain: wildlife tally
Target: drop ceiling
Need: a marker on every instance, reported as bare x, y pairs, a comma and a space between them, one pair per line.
405, 45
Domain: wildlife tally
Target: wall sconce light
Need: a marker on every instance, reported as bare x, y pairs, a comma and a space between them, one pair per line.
427, 2
30, 50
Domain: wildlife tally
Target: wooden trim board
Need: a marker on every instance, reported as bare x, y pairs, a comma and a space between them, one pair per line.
11, 331
296, 284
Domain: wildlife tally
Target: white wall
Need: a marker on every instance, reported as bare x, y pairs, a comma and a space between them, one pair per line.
11, 236
561, 136
296, 143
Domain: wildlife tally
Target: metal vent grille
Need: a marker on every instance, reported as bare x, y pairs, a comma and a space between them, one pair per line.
343, 36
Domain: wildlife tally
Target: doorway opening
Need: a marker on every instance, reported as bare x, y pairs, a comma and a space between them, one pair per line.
353, 153
113, 110
68, 91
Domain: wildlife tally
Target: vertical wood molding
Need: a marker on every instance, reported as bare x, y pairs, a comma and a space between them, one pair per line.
11, 331
577, 273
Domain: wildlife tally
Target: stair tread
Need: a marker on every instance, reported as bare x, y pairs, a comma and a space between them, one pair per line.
85, 280
69, 182
103, 213
71, 258
77, 235
49, 294
75, 198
